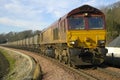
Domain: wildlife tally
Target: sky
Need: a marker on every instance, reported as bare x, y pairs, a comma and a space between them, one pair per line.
20, 15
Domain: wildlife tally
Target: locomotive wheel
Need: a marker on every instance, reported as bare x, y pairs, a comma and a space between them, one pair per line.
64, 56
103, 51
56, 54
98, 56
60, 58
70, 63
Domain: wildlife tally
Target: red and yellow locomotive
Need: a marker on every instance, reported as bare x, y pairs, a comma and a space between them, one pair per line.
77, 38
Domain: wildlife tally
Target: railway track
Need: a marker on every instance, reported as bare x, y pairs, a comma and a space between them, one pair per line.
83, 74
112, 73
89, 76
94, 74
71, 69
86, 75
101, 73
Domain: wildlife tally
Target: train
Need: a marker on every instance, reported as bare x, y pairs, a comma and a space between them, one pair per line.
113, 55
77, 38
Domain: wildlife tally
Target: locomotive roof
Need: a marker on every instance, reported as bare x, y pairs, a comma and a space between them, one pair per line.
85, 9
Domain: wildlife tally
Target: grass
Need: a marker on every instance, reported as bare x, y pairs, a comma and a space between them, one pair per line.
10, 59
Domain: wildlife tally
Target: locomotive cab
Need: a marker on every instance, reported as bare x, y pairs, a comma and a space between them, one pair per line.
88, 30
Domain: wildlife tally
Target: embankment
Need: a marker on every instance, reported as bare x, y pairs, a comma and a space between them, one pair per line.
21, 66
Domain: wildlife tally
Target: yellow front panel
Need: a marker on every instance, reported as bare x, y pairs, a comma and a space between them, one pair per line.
85, 38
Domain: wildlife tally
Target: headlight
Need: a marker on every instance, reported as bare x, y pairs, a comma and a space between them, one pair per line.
72, 42
101, 42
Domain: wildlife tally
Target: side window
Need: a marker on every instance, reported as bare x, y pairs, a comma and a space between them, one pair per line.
55, 34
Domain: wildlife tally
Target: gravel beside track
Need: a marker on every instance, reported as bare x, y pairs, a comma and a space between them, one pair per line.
101, 74
115, 72
23, 67
113, 69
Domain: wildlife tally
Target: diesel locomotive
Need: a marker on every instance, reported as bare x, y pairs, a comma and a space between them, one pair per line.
78, 38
